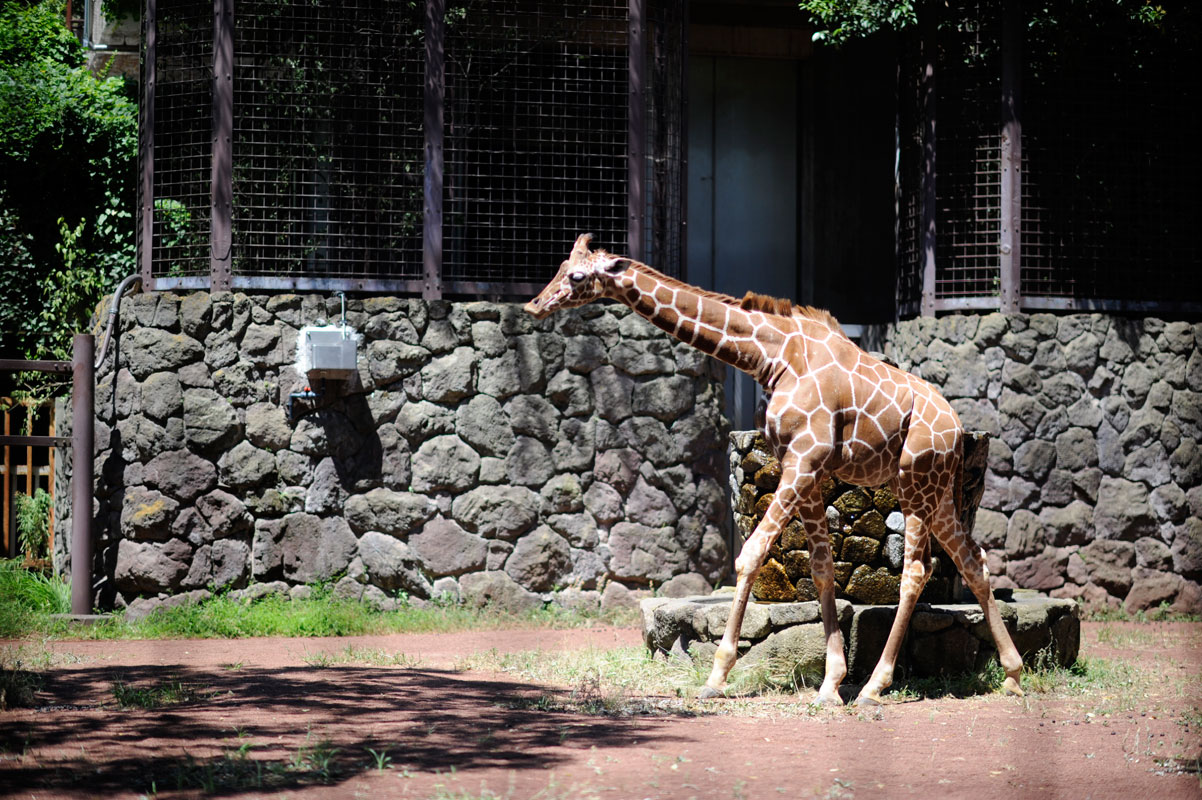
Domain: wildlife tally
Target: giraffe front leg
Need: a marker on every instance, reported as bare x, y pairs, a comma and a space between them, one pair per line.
750, 559
747, 565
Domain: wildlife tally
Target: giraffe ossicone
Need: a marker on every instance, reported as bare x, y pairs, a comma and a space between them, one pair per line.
832, 409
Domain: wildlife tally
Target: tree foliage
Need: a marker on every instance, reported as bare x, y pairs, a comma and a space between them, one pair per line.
837, 22
68, 155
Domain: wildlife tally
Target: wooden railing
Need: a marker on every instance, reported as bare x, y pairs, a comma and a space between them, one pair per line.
83, 372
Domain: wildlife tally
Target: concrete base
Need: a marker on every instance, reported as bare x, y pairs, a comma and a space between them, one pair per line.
943, 639
81, 619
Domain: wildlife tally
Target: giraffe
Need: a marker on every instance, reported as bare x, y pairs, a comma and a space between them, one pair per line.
833, 409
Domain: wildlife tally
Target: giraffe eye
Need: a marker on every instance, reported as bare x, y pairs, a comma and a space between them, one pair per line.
576, 277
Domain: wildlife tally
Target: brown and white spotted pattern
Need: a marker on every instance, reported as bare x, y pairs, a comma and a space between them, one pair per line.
832, 410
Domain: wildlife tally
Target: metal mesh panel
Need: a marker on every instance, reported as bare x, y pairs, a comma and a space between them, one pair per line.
667, 51
968, 206
182, 143
536, 135
1110, 183
328, 159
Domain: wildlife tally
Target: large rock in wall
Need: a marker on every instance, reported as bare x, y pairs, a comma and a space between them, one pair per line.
1094, 489
478, 453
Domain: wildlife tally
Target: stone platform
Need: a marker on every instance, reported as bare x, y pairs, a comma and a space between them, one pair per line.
943, 639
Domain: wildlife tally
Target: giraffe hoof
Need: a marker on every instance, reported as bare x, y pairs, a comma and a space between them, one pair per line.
867, 701
1012, 687
827, 701
710, 693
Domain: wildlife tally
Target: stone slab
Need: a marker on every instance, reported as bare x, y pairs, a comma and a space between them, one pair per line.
943, 638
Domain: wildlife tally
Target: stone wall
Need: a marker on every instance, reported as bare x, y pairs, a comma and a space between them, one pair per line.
866, 527
478, 454
1094, 489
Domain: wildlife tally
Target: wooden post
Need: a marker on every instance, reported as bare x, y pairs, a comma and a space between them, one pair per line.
8, 469
1010, 240
637, 131
83, 421
222, 176
51, 452
433, 98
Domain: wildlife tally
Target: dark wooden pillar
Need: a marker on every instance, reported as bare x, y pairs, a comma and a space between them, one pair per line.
433, 95
930, 56
222, 177
146, 256
1010, 242
637, 133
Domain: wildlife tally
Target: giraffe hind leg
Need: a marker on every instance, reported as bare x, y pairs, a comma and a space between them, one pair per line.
970, 563
916, 570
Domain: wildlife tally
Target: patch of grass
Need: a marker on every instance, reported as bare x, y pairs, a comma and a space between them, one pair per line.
27, 595
321, 613
21, 671
617, 682
372, 656
1162, 613
774, 675
170, 692
236, 770
986, 680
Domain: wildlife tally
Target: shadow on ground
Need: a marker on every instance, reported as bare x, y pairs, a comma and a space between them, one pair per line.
231, 730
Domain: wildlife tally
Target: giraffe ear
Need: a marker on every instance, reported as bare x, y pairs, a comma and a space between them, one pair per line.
615, 264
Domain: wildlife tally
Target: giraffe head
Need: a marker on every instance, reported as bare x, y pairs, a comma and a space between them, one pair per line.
581, 279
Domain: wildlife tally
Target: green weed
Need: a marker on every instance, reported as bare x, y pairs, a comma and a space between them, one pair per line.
316, 758
380, 758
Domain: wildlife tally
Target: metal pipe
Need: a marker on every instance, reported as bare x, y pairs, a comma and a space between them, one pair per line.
122, 288
82, 437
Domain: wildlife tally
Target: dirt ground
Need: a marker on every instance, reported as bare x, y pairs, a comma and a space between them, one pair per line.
270, 719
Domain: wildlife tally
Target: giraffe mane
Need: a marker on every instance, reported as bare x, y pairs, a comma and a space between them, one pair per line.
787, 308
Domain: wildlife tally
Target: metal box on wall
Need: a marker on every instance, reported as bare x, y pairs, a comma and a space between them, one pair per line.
328, 351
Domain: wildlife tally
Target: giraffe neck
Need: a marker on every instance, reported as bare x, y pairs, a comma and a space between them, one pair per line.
713, 323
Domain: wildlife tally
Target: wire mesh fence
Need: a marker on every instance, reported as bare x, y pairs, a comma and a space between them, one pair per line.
1108, 179
183, 122
331, 141
968, 206
1110, 191
328, 161
536, 135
